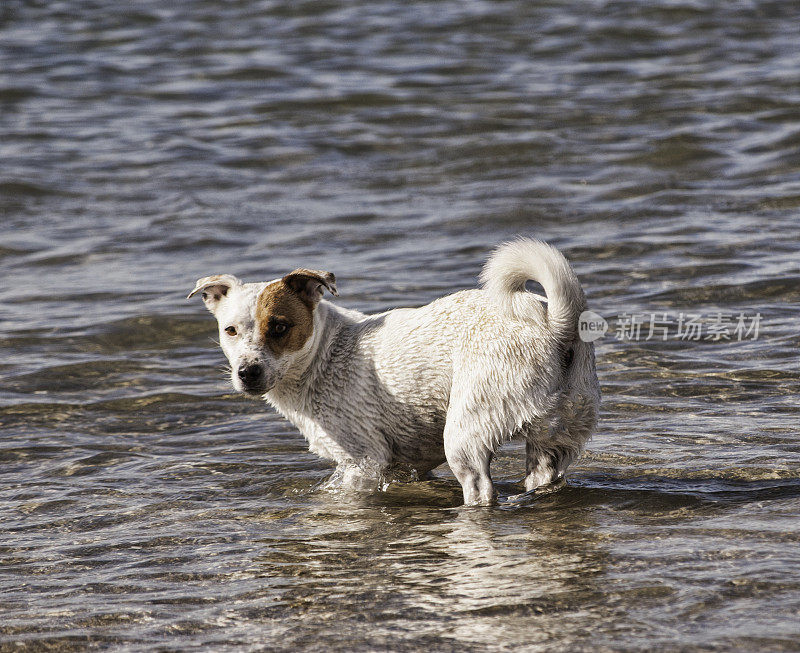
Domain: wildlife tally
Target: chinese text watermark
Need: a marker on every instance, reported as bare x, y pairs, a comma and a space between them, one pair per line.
665, 325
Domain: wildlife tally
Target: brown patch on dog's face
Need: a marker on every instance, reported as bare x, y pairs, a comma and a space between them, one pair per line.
284, 321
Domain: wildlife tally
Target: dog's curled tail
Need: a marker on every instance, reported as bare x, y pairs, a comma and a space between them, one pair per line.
514, 263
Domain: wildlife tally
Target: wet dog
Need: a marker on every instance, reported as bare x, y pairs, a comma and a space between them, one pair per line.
450, 381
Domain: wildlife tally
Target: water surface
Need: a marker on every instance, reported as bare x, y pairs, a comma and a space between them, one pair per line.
146, 507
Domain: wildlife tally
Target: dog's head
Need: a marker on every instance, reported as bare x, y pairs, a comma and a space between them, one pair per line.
264, 328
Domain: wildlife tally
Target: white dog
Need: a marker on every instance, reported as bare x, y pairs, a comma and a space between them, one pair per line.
452, 380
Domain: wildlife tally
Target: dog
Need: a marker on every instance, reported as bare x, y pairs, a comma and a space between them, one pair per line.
449, 381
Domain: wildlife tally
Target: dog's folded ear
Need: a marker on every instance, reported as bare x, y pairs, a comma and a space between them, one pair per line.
214, 288
310, 284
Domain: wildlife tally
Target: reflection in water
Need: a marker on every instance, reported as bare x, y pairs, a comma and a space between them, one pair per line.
450, 576
517, 580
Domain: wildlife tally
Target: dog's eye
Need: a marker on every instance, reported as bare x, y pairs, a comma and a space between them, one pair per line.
278, 329
231, 330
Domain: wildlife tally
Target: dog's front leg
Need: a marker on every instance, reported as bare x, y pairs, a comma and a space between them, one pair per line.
469, 460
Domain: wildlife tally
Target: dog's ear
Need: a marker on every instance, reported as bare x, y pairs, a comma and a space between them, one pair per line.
310, 284
214, 288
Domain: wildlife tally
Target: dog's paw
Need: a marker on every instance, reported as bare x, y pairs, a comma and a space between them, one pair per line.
529, 497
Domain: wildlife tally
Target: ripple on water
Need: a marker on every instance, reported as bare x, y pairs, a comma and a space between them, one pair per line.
146, 506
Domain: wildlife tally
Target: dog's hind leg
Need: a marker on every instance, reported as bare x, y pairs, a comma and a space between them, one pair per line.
544, 466
553, 445
469, 459
539, 468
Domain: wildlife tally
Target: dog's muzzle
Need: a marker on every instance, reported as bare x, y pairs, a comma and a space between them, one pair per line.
252, 377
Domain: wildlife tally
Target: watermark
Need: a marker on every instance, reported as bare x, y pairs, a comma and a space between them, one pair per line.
696, 327
591, 326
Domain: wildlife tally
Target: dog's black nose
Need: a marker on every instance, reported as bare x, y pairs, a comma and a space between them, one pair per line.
250, 373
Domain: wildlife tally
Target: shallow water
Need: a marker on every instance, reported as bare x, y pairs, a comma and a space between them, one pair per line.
144, 506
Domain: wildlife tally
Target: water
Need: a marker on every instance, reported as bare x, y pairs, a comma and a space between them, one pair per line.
144, 145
